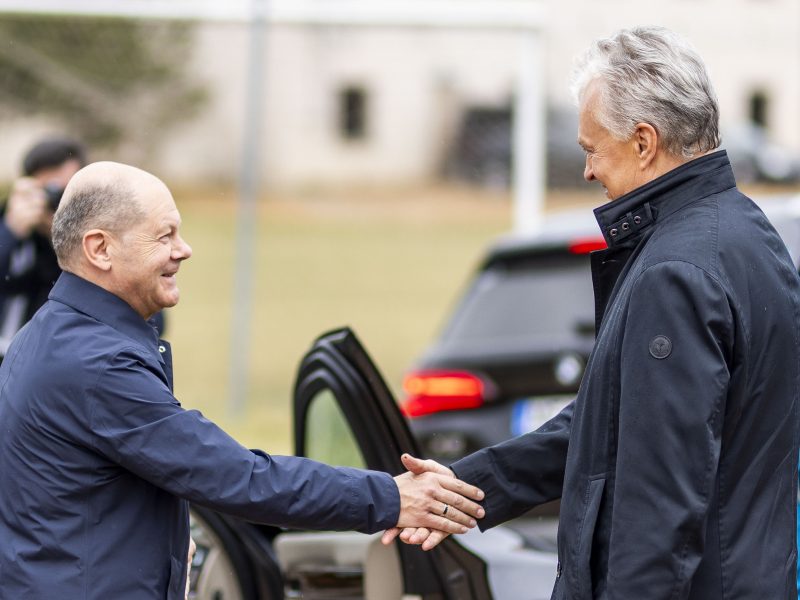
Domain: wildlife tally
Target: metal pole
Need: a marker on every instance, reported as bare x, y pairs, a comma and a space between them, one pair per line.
247, 213
529, 135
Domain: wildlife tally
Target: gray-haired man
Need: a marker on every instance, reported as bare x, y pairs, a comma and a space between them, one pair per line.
676, 464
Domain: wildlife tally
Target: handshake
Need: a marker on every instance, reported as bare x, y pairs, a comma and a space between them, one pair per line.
433, 504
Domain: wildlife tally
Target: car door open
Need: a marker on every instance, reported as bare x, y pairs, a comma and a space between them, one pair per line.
344, 414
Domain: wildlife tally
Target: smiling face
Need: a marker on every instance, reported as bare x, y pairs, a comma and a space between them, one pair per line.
146, 257
614, 163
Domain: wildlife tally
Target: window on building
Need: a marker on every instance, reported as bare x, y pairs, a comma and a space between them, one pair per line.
759, 108
353, 103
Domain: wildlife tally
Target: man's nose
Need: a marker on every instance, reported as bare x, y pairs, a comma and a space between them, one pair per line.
181, 250
588, 174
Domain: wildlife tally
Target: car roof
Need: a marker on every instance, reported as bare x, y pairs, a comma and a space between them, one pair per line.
559, 229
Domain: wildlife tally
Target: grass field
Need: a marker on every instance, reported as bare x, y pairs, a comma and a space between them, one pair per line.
387, 264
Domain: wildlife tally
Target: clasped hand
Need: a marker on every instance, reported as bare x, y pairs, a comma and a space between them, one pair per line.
26, 209
433, 504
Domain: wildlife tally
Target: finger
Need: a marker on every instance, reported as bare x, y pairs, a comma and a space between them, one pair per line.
25, 184
445, 524
433, 540
454, 514
408, 534
418, 466
389, 535
29, 189
459, 502
420, 535
461, 488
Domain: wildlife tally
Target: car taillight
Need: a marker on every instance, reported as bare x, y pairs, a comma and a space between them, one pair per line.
434, 391
587, 245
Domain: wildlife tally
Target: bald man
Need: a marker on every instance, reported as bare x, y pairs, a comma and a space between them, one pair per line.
97, 457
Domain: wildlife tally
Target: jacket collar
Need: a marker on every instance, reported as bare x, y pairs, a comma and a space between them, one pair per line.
102, 305
628, 215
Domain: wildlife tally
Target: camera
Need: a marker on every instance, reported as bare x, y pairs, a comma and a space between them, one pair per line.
53, 194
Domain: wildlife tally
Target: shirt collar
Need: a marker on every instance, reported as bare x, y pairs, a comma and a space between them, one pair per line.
100, 304
638, 210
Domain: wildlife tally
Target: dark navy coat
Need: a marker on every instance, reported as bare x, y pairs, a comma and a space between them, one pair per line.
28, 270
98, 460
677, 462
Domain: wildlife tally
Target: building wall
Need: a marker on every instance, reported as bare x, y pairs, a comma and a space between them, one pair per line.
747, 45
418, 81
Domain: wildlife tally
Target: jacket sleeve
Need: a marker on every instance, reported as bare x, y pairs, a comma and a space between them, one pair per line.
520, 473
673, 380
137, 423
8, 242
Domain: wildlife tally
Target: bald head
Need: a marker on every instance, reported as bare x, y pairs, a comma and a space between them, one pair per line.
102, 195
105, 173
118, 227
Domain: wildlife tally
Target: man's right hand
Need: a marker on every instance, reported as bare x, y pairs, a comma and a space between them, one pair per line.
26, 208
429, 536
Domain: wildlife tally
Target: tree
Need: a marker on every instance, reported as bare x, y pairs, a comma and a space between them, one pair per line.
107, 80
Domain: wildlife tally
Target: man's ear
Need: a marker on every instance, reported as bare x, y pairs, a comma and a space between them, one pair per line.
96, 243
645, 140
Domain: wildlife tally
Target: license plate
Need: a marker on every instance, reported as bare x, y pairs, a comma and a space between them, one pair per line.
531, 413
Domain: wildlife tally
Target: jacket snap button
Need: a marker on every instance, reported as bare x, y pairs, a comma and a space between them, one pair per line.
637, 220
660, 347
613, 233
162, 349
625, 227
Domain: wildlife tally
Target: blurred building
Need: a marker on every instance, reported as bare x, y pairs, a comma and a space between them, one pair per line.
368, 105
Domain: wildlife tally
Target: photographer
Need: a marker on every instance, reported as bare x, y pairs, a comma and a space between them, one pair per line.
28, 266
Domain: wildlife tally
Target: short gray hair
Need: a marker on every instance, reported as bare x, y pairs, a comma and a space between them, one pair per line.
652, 75
112, 207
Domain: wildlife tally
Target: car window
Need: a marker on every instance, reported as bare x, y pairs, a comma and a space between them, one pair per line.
526, 298
329, 438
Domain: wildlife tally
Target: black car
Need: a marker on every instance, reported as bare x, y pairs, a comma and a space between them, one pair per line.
346, 415
513, 350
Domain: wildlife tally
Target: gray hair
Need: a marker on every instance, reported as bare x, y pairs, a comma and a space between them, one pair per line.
112, 207
652, 75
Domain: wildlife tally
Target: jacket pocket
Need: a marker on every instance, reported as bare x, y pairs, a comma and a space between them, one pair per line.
177, 580
582, 572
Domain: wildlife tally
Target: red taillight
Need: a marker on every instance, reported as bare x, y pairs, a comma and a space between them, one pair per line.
434, 391
586, 245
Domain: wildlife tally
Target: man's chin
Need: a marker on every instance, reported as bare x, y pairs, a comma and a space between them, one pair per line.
170, 300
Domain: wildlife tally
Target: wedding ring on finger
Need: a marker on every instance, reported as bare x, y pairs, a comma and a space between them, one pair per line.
444, 512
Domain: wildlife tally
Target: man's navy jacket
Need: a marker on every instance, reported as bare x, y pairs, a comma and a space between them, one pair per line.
677, 463
98, 460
